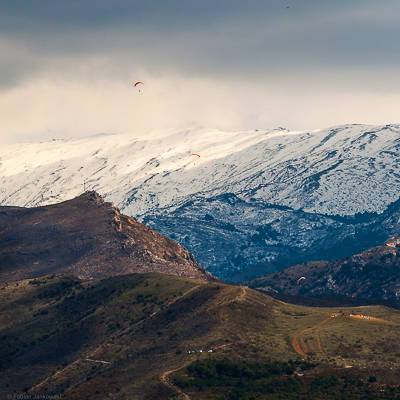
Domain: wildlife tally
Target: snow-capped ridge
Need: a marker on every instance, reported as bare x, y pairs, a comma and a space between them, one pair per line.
342, 170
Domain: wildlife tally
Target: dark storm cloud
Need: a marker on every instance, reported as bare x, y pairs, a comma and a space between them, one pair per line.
231, 38
154, 14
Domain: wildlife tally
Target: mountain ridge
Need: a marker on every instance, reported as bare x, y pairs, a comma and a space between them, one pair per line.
319, 181
86, 237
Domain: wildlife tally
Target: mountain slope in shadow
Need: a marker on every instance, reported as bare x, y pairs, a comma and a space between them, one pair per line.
88, 238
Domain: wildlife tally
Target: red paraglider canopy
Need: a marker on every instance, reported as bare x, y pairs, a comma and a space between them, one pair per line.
195, 154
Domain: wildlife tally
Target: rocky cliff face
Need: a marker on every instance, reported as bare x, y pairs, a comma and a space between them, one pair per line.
86, 237
372, 276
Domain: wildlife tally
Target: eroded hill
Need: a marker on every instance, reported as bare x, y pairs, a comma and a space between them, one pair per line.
88, 238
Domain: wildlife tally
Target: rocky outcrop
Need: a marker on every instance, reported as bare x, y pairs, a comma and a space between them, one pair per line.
86, 237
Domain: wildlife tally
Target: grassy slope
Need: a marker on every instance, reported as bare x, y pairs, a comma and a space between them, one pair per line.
143, 325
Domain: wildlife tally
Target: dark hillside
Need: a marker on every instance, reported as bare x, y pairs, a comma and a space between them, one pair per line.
370, 277
88, 238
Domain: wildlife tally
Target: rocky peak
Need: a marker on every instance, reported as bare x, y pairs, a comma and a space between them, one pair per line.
87, 237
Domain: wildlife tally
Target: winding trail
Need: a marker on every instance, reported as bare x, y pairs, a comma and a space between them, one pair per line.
243, 293
165, 376
165, 379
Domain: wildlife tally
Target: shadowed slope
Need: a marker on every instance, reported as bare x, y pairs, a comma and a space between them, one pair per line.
86, 237
370, 277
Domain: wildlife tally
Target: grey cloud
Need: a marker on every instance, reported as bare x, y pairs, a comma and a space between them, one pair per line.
285, 65
211, 37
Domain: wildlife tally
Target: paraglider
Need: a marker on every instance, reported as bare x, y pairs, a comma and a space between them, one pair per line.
300, 279
138, 84
193, 159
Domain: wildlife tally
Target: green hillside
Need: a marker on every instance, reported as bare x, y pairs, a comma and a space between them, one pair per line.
153, 336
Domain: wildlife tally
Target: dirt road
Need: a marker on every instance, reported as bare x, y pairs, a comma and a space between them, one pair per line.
165, 379
303, 348
300, 345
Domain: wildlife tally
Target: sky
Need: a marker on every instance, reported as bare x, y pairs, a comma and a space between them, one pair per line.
67, 67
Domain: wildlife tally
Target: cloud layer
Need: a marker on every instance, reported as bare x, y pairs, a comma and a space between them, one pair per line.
66, 67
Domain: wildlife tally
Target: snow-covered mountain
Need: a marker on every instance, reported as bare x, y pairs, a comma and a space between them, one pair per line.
244, 202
